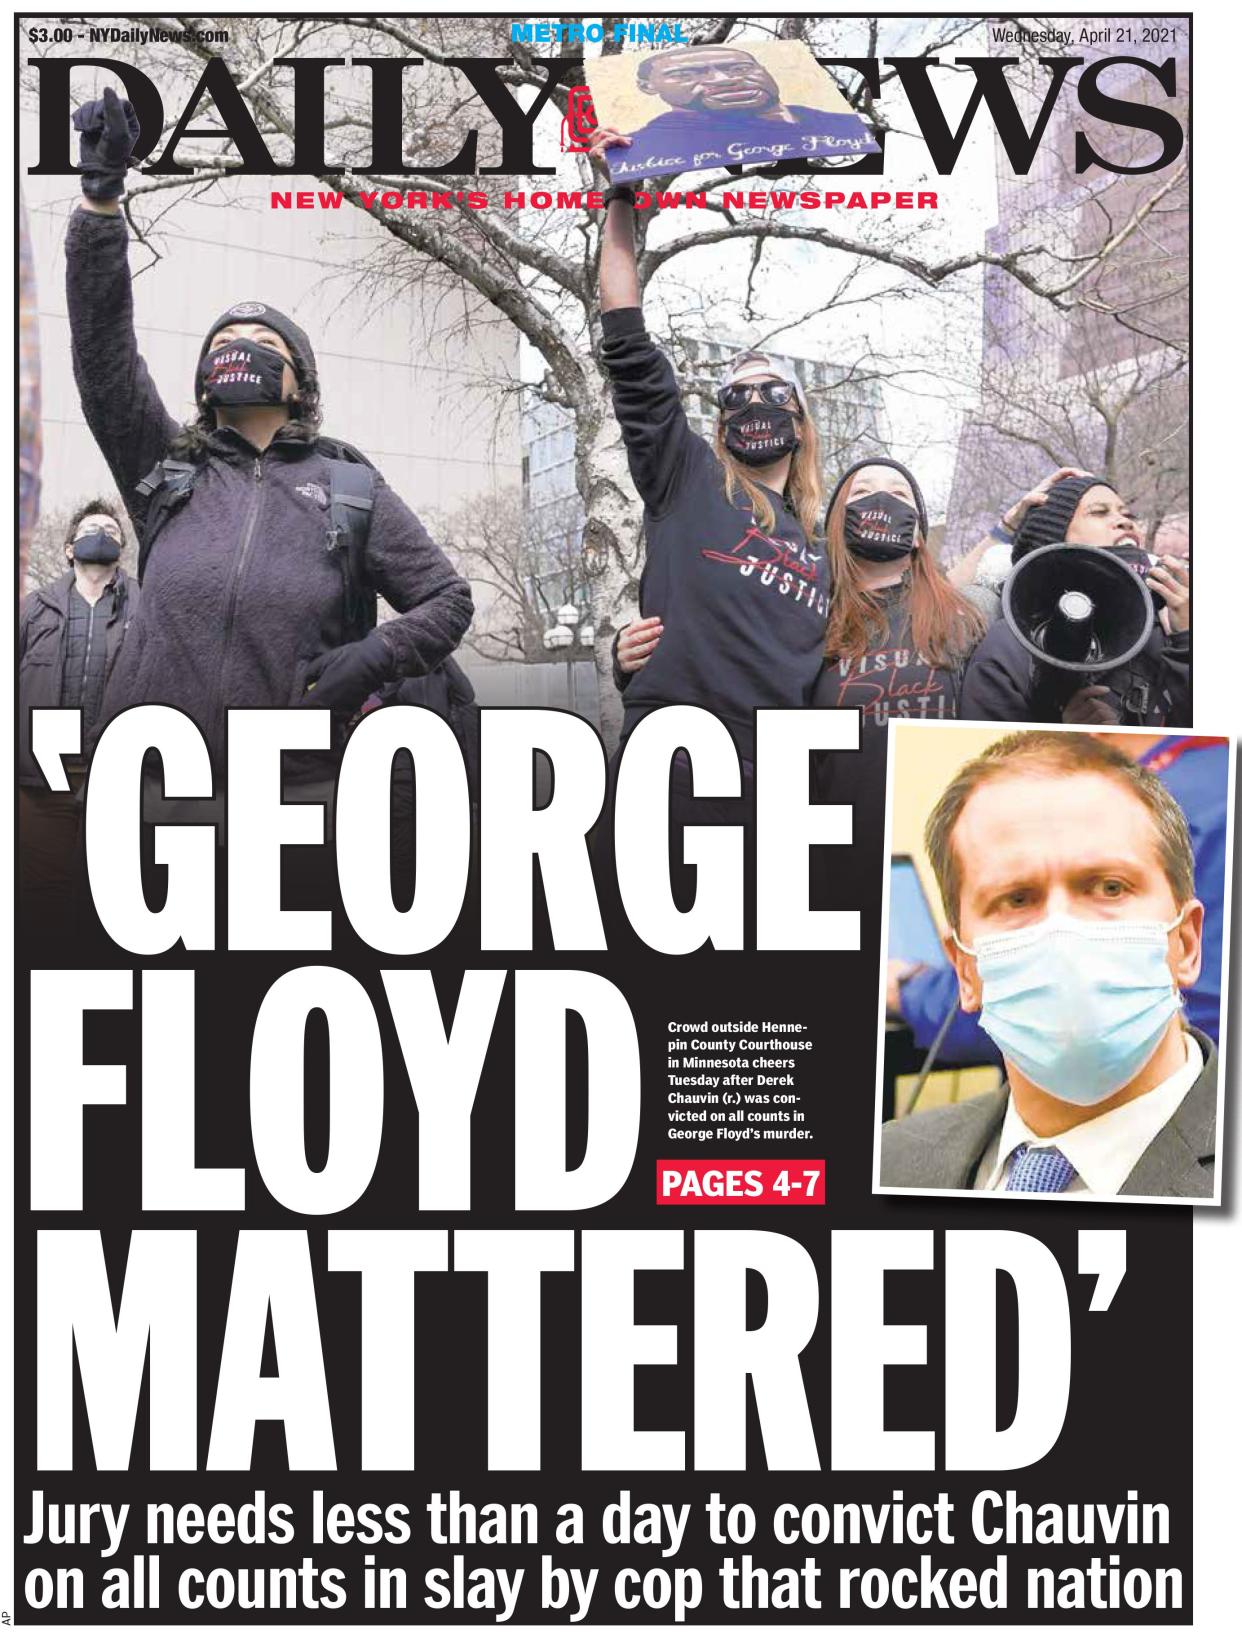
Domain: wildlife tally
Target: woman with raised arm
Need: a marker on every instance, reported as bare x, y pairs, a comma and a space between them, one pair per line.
262, 544
733, 596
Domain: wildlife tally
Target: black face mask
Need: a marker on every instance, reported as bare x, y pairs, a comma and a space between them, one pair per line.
880, 527
761, 434
96, 547
242, 372
1135, 556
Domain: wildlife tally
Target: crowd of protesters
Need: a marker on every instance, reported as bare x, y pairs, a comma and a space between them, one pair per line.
264, 543
752, 594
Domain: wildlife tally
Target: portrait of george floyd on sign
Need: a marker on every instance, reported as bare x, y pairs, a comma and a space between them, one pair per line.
697, 107
468, 580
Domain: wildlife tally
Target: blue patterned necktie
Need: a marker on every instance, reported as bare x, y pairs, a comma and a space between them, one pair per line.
1038, 1171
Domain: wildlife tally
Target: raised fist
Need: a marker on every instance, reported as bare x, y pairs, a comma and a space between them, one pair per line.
110, 132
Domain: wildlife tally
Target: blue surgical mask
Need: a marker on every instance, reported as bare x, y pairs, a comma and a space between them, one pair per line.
1078, 1006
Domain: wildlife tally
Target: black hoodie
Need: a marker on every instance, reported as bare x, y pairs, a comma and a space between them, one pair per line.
743, 612
240, 592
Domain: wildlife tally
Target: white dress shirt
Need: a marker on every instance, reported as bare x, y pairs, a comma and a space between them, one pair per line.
1105, 1150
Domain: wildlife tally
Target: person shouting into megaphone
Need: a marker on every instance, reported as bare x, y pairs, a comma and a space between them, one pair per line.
263, 544
1005, 682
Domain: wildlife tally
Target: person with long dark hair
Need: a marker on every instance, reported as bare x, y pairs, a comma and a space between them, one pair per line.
251, 594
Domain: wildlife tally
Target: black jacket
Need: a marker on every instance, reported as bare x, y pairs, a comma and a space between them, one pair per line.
743, 612
41, 646
241, 592
942, 1148
448, 692
1151, 690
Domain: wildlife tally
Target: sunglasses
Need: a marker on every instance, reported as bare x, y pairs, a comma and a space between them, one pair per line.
741, 393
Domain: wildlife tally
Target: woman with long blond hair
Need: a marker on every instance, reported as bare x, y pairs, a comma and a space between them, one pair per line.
899, 632
733, 595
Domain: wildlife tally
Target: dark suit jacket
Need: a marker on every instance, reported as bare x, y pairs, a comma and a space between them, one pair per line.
942, 1148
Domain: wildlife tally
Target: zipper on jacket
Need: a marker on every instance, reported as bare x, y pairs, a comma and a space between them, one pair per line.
120, 607
239, 568
86, 656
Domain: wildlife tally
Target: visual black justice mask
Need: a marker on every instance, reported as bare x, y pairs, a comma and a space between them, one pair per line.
880, 527
761, 434
242, 372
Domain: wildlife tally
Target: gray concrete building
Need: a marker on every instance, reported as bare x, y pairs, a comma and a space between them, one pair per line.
1101, 382
848, 408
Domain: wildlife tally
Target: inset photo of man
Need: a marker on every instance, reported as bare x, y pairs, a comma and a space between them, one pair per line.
1056, 929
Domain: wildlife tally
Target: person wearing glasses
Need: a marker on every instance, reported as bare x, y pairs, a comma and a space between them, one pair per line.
734, 593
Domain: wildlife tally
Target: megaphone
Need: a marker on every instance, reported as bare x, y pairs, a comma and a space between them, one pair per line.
1080, 610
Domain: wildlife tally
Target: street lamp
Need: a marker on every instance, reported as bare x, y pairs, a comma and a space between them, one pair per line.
561, 636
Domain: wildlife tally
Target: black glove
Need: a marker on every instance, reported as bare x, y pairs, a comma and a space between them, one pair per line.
341, 679
110, 132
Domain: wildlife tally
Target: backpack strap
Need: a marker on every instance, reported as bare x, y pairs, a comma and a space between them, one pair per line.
169, 484
166, 487
352, 496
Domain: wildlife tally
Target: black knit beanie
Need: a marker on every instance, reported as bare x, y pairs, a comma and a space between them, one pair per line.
293, 336
1047, 525
883, 460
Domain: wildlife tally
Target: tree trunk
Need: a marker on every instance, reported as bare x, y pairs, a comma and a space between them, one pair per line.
612, 546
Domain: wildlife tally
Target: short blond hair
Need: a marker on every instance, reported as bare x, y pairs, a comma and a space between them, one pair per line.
1057, 753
